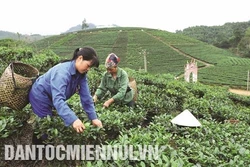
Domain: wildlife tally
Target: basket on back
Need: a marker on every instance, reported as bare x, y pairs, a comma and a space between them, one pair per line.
15, 84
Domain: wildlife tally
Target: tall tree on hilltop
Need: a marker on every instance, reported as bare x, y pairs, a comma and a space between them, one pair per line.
84, 24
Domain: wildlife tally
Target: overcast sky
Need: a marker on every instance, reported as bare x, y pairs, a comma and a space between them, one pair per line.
50, 17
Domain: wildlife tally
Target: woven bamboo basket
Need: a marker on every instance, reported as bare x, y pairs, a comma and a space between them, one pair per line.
132, 84
15, 84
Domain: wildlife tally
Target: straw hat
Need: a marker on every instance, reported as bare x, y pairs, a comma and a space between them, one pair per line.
186, 118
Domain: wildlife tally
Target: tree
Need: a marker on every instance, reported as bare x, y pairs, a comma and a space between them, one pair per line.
84, 24
19, 36
244, 44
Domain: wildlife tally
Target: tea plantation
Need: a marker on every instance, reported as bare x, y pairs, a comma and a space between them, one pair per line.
222, 140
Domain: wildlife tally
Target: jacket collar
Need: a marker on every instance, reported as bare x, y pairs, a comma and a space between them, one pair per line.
72, 68
119, 73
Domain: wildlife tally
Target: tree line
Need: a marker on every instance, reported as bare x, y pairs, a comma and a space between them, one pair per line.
232, 36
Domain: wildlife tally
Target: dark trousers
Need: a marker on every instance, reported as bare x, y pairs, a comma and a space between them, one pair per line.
40, 140
131, 103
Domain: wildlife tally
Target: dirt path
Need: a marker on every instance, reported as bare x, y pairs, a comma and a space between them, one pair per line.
240, 92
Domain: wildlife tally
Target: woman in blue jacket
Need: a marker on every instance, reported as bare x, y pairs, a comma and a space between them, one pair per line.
52, 89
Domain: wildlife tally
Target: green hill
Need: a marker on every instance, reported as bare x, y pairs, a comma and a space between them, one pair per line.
165, 52
217, 34
232, 36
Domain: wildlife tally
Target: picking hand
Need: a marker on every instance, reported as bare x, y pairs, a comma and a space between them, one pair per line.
95, 98
97, 122
78, 126
108, 102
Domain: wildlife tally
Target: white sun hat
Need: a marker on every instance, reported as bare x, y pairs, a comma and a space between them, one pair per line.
186, 118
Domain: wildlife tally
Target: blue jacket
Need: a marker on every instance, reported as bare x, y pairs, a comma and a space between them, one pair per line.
53, 88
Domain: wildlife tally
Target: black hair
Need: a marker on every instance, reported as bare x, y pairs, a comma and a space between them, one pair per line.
87, 53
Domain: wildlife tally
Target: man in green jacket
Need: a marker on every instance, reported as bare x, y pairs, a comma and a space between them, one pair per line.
115, 80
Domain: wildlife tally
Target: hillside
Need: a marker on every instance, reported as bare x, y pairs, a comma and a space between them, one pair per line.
165, 52
18, 36
232, 36
214, 34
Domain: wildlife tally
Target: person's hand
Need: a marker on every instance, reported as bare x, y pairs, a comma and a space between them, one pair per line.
95, 98
108, 102
97, 122
78, 126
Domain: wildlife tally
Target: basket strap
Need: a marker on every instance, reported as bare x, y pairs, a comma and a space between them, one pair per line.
34, 79
12, 73
14, 80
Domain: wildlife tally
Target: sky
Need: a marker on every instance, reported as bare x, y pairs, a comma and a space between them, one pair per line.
52, 17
